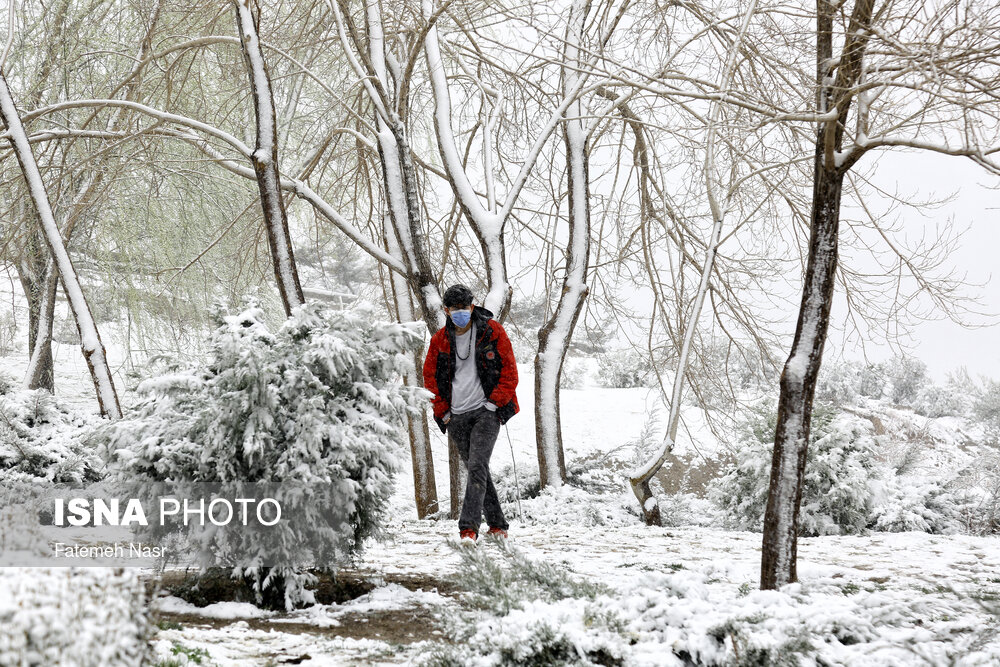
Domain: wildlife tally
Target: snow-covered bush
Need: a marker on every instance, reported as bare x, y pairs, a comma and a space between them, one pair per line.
594, 495
80, 616
685, 509
624, 369
839, 383
837, 492
915, 503
312, 410
540, 613
529, 613
872, 381
907, 376
937, 401
979, 483
987, 410
40, 440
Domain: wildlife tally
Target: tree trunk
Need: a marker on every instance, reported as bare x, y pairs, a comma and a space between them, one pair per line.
555, 335
41, 369
458, 475
420, 281
423, 282
798, 379
39, 281
641, 477
403, 231
35, 280
265, 161
424, 484
90, 339
798, 384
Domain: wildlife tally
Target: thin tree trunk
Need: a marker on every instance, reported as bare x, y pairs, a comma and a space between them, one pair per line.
39, 284
403, 232
421, 456
423, 282
424, 484
35, 280
406, 231
458, 475
265, 161
90, 339
640, 478
555, 335
41, 370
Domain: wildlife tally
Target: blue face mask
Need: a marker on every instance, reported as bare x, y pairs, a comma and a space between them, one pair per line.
461, 317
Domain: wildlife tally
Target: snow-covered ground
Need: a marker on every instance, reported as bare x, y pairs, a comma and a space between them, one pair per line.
681, 593
884, 599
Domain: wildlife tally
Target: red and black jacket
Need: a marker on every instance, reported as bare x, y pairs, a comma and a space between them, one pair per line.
494, 363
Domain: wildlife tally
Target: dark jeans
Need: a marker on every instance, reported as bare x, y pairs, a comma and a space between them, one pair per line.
474, 434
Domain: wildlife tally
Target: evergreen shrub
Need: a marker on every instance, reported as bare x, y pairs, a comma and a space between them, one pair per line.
89, 617
313, 410
41, 440
838, 490
624, 369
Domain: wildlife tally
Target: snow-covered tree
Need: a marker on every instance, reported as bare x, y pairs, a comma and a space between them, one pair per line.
555, 335
90, 337
986, 408
719, 200
870, 103
265, 160
41, 441
312, 411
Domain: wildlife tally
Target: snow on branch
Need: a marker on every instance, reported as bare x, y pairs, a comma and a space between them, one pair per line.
90, 339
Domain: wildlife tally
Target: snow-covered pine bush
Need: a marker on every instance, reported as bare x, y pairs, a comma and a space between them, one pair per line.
978, 489
312, 409
839, 383
907, 376
528, 613
987, 410
88, 617
624, 369
936, 401
840, 473
915, 503
40, 440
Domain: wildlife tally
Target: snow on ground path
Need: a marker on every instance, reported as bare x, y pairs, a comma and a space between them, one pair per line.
239, 645
883, 599
385, 626
615, 555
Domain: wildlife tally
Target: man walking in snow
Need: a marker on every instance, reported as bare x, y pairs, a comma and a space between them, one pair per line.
470, 369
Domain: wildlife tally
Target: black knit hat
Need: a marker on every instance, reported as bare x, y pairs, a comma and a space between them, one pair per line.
457, 295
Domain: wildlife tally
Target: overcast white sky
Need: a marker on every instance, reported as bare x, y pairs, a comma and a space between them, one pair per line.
944, 345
